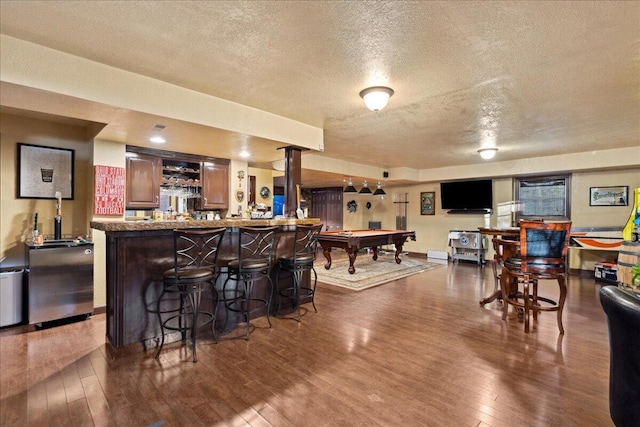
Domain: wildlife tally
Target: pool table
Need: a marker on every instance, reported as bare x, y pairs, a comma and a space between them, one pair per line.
353, 241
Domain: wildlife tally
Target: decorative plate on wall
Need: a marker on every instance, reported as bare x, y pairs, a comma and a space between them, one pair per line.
265, 192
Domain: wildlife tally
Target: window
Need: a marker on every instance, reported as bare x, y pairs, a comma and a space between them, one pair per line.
546, 197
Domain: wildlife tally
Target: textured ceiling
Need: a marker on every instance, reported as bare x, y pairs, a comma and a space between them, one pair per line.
533, 78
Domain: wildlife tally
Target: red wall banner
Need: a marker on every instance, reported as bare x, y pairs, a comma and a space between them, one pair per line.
108, 194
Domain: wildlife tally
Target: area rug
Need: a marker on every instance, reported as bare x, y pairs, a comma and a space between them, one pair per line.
369, 273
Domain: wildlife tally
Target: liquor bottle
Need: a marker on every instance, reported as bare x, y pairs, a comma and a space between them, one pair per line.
634, 219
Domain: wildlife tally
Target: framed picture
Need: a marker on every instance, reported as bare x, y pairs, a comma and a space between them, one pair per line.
44, 171
427, 203
108, 192
239, 195
609, 196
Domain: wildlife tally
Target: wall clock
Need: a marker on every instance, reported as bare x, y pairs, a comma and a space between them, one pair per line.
265, 192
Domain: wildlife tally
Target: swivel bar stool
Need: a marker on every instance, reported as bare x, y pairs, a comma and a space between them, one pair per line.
194, 271
253, 264
305, 246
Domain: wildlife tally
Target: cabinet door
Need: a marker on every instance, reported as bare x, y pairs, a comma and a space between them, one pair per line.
144, 174
215, 186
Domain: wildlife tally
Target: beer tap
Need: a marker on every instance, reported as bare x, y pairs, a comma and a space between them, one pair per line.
57, 225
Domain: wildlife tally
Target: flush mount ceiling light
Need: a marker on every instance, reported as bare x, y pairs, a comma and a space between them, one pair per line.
350, 188
488, 153
365, 188
376, 98
379, 191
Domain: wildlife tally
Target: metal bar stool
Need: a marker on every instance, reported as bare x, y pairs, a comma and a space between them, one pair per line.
253, 264
305, 246
194, 271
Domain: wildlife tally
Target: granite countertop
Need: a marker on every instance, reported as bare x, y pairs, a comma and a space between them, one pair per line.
170, 225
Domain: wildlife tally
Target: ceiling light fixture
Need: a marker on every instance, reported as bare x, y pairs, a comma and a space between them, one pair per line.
488, 153
157, 139
244, 153
379, 191
365, 188
376, 98
349, 188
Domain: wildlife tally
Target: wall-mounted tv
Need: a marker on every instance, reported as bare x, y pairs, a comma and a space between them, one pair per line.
470, 196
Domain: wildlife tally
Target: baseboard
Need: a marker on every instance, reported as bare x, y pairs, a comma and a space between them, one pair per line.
438, 254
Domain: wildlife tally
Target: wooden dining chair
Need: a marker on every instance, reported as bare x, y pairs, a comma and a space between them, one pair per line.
541, 254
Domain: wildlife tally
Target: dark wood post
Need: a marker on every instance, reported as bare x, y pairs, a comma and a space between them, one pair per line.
292, 178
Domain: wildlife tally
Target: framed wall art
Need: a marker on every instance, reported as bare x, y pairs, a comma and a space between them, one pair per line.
108, 193
609, 196
427, 203
43, 171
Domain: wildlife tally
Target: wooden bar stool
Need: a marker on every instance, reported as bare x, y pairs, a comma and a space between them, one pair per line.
543, 256
194, 272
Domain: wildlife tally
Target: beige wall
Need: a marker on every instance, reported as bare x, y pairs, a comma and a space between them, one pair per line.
432, 230
16, 215
264, 178
105, 153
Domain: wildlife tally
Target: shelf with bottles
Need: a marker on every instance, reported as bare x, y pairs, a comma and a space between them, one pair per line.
178, 173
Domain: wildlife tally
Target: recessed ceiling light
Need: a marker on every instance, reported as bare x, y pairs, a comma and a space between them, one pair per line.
244, 153
157, 139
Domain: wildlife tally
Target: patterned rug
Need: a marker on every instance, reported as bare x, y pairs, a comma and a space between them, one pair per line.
369, 273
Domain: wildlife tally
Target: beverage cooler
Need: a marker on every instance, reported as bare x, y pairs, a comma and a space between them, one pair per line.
11, 293
60, 280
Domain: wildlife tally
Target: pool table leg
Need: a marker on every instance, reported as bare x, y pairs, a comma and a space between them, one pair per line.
352, 259
398, 252
327, 254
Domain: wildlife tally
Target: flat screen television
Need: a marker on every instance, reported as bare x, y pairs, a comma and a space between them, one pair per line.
470, 196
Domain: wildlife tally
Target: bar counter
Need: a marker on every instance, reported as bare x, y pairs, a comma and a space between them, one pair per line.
138, 253
116, 226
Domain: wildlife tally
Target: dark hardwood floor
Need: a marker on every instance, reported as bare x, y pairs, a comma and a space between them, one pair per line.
416, 352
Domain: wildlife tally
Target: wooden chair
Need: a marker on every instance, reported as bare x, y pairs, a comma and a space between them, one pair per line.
503, 251
542, 256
